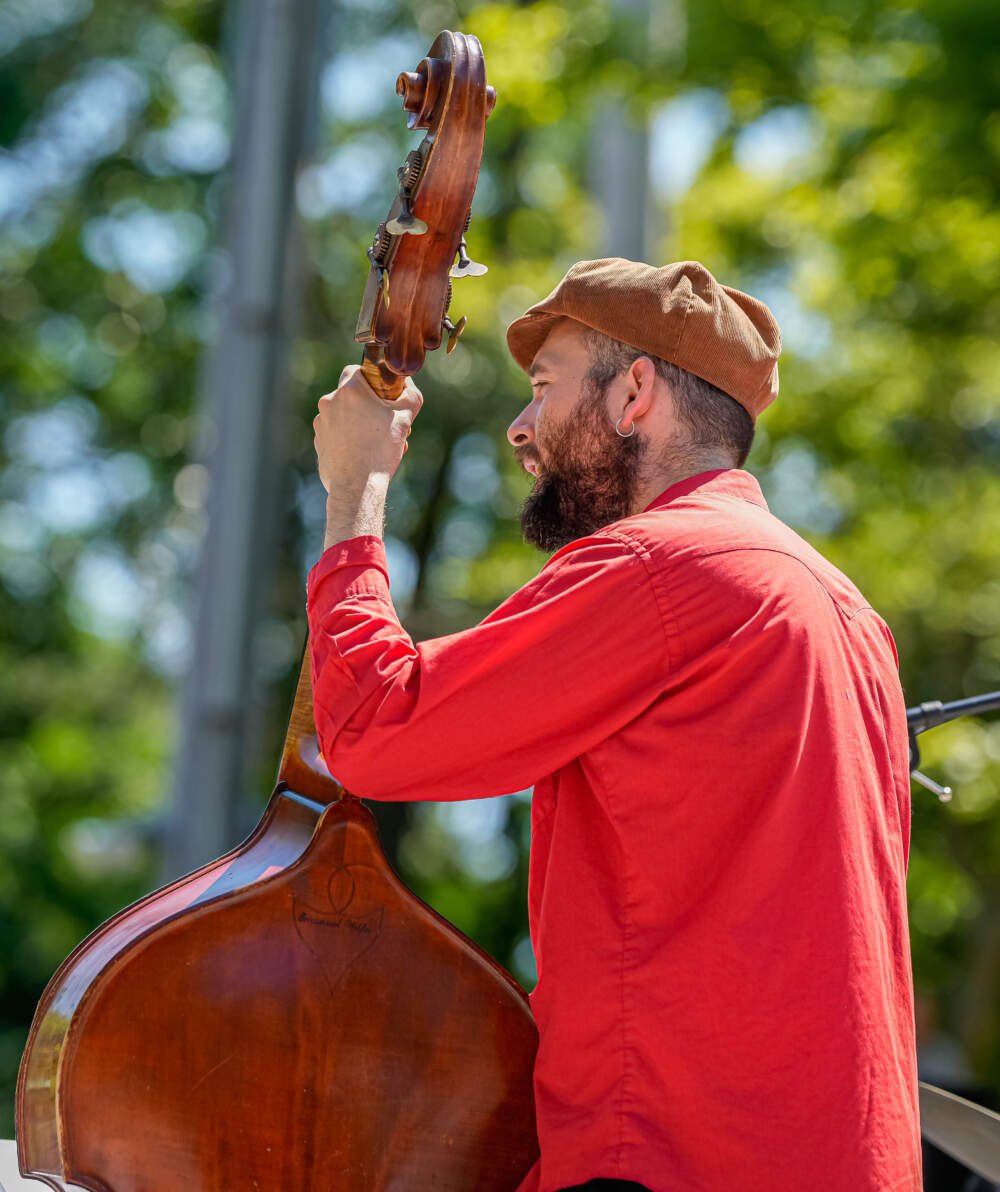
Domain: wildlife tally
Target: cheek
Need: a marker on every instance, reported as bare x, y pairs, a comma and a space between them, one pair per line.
542, 437
554, 439
551, 421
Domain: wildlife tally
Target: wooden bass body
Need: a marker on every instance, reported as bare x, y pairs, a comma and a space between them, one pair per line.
289, 1017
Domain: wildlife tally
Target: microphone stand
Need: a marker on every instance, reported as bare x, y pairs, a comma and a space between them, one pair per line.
934, 712
967, 1132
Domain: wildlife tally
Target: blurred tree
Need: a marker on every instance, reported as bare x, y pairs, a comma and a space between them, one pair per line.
242, 395
840, 160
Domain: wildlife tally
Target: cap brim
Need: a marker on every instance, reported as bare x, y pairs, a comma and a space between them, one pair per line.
527, 334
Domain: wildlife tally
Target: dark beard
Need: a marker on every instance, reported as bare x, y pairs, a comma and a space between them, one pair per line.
589, 478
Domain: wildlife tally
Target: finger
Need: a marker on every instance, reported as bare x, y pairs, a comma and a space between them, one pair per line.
410, 399
347, 372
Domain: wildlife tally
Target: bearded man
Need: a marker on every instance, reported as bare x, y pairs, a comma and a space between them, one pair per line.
711, 717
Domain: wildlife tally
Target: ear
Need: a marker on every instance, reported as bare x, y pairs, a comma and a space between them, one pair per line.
637, 396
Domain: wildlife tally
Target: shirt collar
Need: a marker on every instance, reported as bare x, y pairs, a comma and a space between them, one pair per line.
723, 482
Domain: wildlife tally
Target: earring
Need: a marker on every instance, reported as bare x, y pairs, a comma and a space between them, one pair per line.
618, 428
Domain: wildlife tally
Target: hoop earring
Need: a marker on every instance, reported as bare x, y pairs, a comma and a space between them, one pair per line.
622, 434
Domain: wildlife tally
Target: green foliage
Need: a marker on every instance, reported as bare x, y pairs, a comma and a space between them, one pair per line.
850, 173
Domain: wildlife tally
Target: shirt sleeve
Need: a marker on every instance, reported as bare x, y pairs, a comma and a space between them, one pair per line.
568, 660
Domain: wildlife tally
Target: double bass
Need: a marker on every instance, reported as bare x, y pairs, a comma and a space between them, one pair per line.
291, 1016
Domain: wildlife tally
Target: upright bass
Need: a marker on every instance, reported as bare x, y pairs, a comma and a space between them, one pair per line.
290, 1016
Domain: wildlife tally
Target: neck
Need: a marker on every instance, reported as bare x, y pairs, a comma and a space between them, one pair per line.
673, 471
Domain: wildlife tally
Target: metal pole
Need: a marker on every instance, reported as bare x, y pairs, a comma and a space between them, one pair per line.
620, 174
242, 386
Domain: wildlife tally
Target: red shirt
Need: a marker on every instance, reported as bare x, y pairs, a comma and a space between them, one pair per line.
711, 716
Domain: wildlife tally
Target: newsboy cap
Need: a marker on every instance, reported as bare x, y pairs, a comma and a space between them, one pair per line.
678, 312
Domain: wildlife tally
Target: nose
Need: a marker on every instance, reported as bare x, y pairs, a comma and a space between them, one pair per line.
521, 431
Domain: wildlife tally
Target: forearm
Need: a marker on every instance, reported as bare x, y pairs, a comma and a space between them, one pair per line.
353, 514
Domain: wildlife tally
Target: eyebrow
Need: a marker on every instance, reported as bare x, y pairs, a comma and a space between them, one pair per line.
535, 369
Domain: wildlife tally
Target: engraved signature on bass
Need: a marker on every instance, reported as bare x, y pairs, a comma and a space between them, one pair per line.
360, 925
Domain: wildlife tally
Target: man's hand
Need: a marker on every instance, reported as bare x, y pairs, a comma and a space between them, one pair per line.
359, 435
360, 439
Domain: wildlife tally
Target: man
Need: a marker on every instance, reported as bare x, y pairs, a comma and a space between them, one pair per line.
711, 717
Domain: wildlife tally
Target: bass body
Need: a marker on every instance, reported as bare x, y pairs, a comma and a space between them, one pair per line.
288, 1017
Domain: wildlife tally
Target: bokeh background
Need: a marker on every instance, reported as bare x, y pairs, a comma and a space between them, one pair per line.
838, 158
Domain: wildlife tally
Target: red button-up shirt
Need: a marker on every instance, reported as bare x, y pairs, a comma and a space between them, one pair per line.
711, 716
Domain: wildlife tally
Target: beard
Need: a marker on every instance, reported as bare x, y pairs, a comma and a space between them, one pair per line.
589, 477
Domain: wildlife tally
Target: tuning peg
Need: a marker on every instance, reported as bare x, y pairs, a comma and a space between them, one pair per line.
383, 276
406, 221
454, 331
464, 267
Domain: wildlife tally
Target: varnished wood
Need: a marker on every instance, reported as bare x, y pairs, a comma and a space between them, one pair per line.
379, 376
240, 1040
302, 768
410, 324
41, 1110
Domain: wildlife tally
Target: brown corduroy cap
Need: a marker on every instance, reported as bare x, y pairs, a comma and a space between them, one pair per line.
679, 313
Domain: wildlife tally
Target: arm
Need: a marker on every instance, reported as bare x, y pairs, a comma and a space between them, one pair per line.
569, 659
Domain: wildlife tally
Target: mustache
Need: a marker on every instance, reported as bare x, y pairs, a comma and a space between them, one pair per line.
523, 454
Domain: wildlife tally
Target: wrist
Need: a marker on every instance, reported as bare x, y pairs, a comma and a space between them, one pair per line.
350, 515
